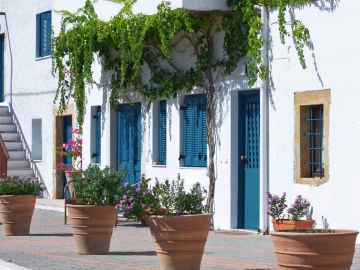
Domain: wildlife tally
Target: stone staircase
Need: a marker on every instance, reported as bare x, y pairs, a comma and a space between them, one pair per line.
17, 164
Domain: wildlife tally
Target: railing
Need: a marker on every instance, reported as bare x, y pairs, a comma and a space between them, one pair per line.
4, 156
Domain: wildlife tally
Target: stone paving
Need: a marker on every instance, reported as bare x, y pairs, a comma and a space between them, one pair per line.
50, 245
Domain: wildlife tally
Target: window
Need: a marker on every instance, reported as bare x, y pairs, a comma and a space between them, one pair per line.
96, 137
312, 137
162, 134
313, 141
195, 146
36, 145
43, 34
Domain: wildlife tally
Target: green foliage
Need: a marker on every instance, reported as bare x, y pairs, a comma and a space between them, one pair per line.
150, 40
99, 187
15, 185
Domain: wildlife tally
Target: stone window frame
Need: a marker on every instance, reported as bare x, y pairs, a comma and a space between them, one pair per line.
307, 98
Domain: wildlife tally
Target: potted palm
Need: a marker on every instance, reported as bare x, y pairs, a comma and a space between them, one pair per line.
17, 203
178, 224
93, 217
291, 220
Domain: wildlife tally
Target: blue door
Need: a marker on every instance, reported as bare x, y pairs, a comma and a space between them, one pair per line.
67, 125
129, 141
249, 161
1, 68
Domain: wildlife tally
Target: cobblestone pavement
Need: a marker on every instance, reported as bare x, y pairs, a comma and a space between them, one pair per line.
50, 245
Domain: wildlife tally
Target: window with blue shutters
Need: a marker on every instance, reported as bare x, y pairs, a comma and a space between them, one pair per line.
43, 34
98, 134
162, 133
195, 145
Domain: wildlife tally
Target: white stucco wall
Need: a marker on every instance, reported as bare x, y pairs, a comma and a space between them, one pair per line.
226, 157
331, 61
29, 85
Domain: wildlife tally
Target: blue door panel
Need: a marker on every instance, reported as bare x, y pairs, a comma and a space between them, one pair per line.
67, 125
249, 167
129, 137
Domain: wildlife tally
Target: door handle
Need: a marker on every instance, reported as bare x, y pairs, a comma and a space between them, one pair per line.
243, 157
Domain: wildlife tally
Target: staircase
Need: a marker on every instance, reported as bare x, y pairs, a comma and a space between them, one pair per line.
17, 164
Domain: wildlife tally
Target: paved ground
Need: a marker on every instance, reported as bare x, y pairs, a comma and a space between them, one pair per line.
50, 246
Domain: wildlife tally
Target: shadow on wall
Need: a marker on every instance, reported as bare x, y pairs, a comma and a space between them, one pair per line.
323, 6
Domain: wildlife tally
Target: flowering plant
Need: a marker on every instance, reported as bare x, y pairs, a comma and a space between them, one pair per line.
15, 185
73, 149
277, 207
168, 198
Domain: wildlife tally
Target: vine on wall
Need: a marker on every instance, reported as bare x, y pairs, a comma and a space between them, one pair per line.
150, 40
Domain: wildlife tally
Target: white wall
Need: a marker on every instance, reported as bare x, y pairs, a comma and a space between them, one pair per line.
332, 60
29, 85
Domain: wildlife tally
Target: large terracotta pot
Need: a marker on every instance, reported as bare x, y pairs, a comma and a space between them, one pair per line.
92, 227
16, 213
286, 224
318, 251
180, 240
70, 180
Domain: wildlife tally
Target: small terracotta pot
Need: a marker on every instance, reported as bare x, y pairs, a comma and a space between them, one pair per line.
286, 224
318, 251
16, 213
92, 227
180, 240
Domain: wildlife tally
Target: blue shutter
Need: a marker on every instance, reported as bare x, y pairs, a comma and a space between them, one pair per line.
200, 145
45, 34
163, 132
98, 134
195, 131
188, 131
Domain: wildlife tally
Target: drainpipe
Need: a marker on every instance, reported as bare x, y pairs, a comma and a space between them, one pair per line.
264, 132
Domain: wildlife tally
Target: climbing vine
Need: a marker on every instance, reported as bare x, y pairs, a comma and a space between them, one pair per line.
128, 43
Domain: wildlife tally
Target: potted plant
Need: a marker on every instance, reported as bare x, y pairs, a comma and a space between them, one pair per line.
314, 248
72, 149
17, 203
291, 220
93, 218
178, 224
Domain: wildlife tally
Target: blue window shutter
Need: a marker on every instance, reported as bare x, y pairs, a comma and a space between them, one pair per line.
45, 34
188, 131
98, 134
200, 145
163, 132
38, 36
2, 68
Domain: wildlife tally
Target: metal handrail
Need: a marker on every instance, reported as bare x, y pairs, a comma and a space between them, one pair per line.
4, 156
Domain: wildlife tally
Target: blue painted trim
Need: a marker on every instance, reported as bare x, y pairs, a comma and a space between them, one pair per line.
162, 132
98, 134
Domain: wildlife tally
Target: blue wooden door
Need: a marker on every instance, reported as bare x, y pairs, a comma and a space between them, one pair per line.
1, 68
129, 141
67, 125
249, 161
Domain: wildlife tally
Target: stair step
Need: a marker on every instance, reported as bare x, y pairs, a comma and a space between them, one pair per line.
6, 118
4, 109
18, 163
10, 135
21, 172
17, 144
7, 127
17, 153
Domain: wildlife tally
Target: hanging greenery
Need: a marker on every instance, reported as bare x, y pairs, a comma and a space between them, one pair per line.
150, 41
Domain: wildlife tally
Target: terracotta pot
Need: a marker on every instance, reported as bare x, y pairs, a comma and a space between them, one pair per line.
92, 227
16, 213
286, 224
318, 251
69, 180
180, 240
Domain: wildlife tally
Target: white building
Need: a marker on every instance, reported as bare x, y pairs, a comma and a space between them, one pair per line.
261, 141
